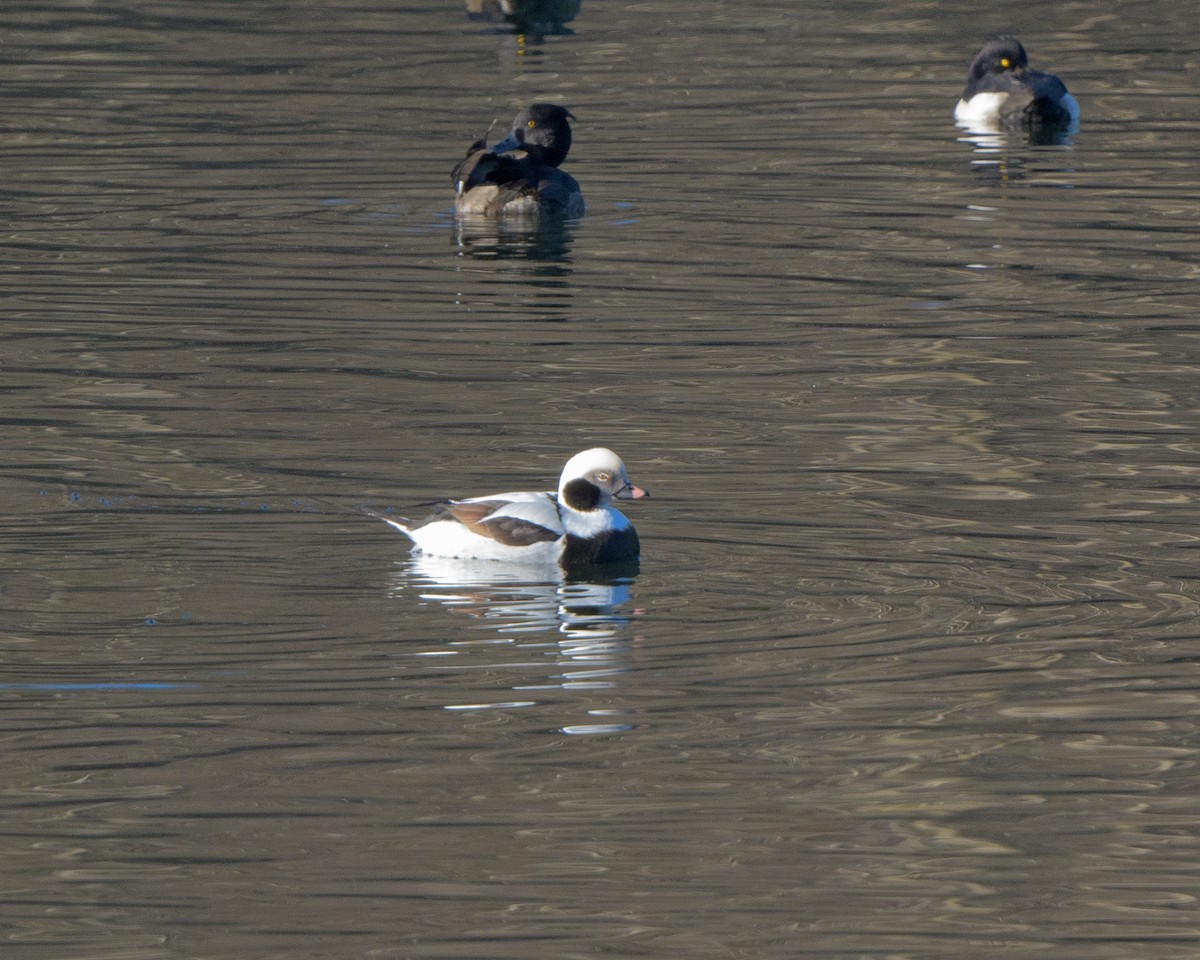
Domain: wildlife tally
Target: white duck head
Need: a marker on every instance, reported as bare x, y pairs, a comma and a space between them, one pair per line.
591, 480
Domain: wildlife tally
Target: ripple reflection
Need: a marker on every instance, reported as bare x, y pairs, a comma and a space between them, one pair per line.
582, 625
541, 239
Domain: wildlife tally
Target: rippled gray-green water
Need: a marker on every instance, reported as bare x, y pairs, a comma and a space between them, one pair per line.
909, 668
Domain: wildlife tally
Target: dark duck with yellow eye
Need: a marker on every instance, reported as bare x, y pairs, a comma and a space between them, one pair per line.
1003, 94
520, 175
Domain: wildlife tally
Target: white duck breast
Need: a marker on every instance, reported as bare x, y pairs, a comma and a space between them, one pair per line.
575, 527
981, 112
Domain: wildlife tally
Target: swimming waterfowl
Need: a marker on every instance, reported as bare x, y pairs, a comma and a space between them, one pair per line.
1003, 94
492, 182
574, 527
535, 18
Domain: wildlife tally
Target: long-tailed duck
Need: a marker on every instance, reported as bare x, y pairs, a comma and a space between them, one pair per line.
577, 526
1002, 94
489, 181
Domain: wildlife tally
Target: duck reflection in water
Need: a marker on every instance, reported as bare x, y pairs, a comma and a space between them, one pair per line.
531, 18
591, 604
545, 240
583, 627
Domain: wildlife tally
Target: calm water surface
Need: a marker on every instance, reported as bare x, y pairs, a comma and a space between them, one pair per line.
910, 666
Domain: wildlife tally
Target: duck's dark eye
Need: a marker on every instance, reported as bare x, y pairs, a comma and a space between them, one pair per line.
1005, 62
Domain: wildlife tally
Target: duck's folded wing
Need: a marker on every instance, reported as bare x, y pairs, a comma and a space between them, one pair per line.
558, 192
536, 496
464, 174
515, 523
481, 166
1051, 102
1046, 86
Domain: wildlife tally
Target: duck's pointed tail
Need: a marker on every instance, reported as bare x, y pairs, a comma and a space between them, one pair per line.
400, 523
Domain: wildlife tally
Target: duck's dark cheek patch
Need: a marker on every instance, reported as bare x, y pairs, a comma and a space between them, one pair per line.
581, 494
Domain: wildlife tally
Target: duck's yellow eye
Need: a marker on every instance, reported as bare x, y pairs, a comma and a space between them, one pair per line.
602, 477
531, 124
1005, 62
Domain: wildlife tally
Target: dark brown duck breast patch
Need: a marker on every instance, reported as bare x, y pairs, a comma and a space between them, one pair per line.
619, 546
